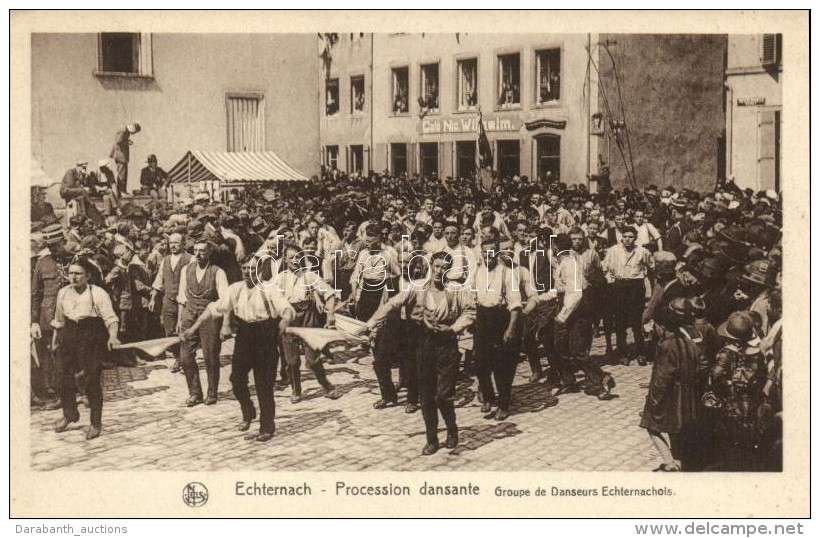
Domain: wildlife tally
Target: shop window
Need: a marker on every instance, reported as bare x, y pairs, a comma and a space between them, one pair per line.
398, 159
356, 95
124, 54
465, 159
401, 90
332, 157
429, 87
246, 121
428, 158
548, 154
509, 80
467, 84
548, 72
509, 164
356, 163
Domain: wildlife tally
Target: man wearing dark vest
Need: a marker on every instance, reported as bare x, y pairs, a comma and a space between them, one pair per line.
200, 284
167, 283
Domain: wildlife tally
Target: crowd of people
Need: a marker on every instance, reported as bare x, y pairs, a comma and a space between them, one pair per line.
533, 271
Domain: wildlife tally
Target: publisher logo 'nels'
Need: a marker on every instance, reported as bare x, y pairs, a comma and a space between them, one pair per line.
195, 494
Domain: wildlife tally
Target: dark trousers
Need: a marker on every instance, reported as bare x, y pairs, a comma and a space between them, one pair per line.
573, 339
409, 334
437, 360
170, 312
384, 349
494, 358
629, 295
255, 349
305, 317
122, 177
83, 346
206, 337
43, 379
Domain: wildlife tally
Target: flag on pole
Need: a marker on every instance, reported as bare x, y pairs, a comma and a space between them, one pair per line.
484, 157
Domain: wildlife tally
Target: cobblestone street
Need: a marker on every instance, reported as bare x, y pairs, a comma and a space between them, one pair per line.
147, 426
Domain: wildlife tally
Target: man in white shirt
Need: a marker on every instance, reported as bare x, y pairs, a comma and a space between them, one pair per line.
495, 332
302, 288
425, 216
627, 265
648, 236
255, 309
200, 284
436, 242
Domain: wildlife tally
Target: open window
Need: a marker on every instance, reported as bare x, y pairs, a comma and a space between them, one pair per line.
401, 90
124, 54
548, 72
429, 88
332, 96
357, 95
467, 84
509, 80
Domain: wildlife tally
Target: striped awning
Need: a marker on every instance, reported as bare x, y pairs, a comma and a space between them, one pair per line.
233, 167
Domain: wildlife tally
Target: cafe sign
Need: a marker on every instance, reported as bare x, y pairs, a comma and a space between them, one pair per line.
751, 101
467, 124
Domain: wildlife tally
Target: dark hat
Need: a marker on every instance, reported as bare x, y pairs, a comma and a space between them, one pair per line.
151, 158
259, 226
714, 267
195, 228
698, 305
53, 234
90, 242
679, 203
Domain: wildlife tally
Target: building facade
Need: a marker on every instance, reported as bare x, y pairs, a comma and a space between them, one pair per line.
754, 107
667, 89
422, 94
234, 92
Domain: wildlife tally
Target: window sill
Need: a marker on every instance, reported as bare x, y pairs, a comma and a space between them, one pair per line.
399, 114
112, 74
471, 110
548, 104
509, 108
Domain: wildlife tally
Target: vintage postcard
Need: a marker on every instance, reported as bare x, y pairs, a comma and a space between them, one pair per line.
417, 264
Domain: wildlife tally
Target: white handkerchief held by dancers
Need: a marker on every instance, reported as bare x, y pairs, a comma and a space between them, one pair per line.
347, 330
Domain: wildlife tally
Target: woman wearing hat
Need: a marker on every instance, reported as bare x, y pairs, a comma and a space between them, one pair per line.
85, 328
670, 412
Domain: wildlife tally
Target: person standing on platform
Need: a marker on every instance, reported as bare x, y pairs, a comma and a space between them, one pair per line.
121, 151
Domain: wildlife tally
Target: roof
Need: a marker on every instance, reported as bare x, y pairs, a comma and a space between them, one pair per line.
233, 167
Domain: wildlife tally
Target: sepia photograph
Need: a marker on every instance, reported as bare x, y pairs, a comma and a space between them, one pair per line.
443, 252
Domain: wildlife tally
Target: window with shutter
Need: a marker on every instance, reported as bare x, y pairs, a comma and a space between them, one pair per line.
246, 121
770, 49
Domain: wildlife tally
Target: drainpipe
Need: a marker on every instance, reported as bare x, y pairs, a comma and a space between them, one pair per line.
730, 125
589, 111
372, 99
